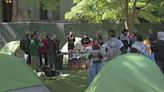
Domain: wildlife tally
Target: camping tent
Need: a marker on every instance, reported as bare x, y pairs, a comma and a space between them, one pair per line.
129, 73
10, 47
17, 76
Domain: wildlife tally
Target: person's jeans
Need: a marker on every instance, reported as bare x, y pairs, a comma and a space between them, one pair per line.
94, 70
41, 55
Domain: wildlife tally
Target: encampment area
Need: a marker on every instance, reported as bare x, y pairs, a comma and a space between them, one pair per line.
127, 73
81, 46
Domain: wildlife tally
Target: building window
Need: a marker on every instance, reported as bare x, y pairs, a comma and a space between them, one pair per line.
43, 13
7, 10
8, 1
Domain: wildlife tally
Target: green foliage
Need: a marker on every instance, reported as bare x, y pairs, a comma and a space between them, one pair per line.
113, 10
76, 1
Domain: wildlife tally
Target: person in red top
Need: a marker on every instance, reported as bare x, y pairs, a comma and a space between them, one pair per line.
43, 50
71, 40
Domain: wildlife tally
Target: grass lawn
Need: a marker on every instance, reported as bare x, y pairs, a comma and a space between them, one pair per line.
76, 82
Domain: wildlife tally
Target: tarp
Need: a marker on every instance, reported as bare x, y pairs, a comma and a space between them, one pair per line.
129, 73
17, 76
10, 47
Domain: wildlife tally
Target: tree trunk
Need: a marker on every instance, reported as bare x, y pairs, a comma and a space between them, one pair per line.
127, 24
130, 17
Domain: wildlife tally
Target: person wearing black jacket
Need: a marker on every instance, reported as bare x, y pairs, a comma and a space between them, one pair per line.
158, 49
152, 37
85, 40
26, 42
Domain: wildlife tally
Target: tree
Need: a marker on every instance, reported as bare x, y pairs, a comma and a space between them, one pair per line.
127, 11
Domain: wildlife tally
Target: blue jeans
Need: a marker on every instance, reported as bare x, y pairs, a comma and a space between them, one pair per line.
94, 70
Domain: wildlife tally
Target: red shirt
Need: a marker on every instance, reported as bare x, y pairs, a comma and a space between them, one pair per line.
44, 49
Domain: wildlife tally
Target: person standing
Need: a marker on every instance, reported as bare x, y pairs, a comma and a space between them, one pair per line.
125, 39
158, 49
48, 37
152, 37
114, 44
98, 36
71, 41
25, 46
43, 50
34, 47
95, 60
54, 48
85, 40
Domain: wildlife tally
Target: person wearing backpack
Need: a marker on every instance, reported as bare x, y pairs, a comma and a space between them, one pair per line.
114, 44
25, 46
95, 60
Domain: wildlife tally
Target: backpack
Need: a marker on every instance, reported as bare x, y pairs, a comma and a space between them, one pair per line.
22, 44
114, 48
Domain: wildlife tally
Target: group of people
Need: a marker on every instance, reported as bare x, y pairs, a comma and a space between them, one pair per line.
39, 47
101, 51
45, 47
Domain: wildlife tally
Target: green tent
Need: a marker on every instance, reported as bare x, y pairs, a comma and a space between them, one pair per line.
17, 76
129, 73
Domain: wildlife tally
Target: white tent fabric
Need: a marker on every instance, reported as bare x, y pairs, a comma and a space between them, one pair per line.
10, 47
65, 47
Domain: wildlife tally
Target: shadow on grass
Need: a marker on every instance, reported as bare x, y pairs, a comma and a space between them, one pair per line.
76, 82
